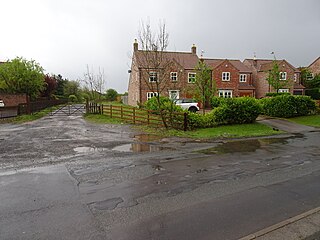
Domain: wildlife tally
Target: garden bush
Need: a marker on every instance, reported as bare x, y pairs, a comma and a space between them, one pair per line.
237, 111
274, 94
216, 101
166, 104
73, 98
287, 106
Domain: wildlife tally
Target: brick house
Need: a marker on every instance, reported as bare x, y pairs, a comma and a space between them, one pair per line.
289, 73
232, 78
180, 74
314, 67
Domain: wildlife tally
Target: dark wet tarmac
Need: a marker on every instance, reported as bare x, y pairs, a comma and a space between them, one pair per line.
141, 187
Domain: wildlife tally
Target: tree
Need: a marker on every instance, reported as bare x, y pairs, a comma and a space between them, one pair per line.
60, 85
51, 85
111, 95
72, 88
22, 76
95, 83
274, 78
204, 86
154, 61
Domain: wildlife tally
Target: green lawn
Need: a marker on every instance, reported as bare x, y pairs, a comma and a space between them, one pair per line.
102, 119
313, 120
229, 131
234, 131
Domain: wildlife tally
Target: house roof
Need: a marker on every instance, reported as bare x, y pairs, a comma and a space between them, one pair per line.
185, 59
314, 61
262, 65
214, 63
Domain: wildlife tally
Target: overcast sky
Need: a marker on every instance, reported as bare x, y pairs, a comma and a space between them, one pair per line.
66, 35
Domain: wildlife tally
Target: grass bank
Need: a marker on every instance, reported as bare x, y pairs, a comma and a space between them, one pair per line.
31, 117
312, 120
228, 131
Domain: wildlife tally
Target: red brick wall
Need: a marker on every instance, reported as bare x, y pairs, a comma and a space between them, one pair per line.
315, 67
11, 100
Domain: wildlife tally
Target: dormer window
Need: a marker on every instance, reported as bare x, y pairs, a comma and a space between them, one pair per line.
226, 76
283, 75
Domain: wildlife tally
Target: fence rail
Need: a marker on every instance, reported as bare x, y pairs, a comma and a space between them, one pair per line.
134, 115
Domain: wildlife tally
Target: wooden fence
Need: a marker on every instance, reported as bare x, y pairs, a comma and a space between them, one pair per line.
177, 120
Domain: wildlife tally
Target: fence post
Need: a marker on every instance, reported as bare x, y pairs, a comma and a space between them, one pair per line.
148, 117
185, 121
101, 106
87, 106
134, 115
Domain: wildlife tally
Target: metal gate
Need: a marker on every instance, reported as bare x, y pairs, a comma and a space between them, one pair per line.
68, 110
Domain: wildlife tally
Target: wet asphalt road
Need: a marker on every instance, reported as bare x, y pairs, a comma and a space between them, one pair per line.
64, 178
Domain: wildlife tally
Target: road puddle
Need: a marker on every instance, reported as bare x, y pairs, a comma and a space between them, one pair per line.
243, 146
139, 147
88, 149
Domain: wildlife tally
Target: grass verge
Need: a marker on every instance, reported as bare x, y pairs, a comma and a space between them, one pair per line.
102, 119
228, 131
312, 120
31, 117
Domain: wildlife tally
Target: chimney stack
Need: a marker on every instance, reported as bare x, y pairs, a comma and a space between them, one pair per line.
135, 45
194, 49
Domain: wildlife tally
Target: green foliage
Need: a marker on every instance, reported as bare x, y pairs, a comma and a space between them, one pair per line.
274, 78
217, 101
314, 93
274, 94
111, 95
203, 84
22, 76
314, 83
166, 104
73, 98
287, 106
237, 111
72, 88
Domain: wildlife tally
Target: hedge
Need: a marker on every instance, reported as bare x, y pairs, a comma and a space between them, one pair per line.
287, 106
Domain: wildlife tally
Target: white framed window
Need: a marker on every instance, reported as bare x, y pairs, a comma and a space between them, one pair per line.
225, 93
243, 78
191, 77
283, 75
226, 76
295, 77
151, 94
283, 90
174, 94
153, 76
174, 76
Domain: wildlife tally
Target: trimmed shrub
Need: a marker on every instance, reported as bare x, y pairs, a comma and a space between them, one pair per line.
274, 94
287, 106
237, 111
314, 93
216, 101
165, 103
73, 98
